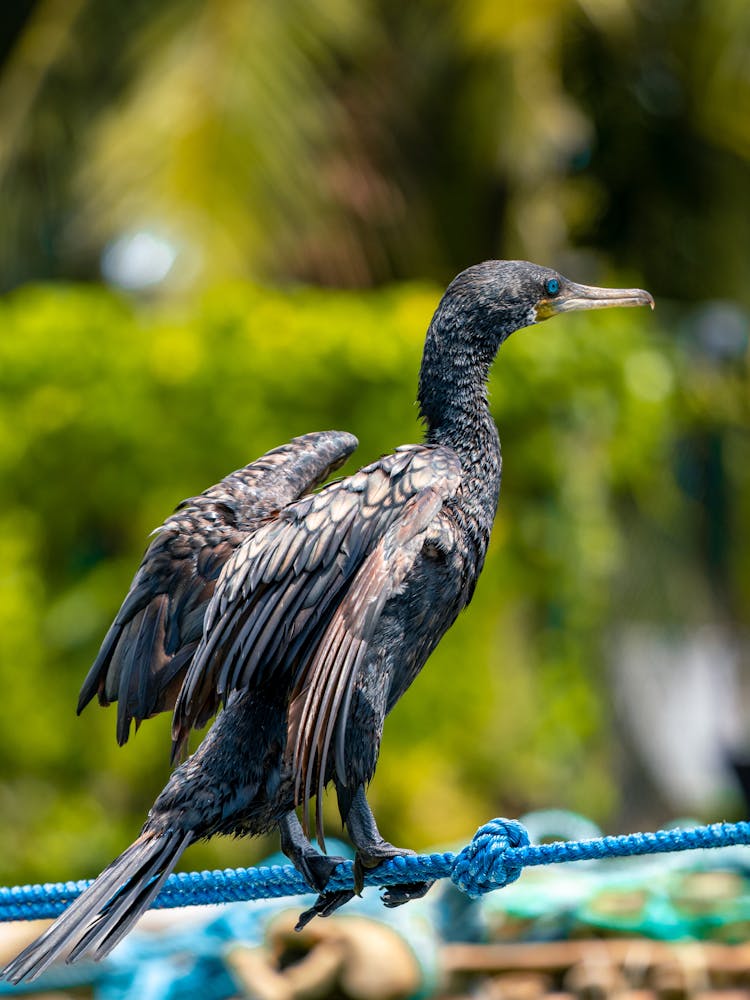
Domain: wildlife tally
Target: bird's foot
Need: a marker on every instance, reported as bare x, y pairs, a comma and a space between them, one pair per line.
374, 854
372, 851
316, 869
397, 895
326, 904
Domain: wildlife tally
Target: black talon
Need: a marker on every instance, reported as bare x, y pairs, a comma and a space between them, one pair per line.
326, 904
376, 855
397, 895
372, 849
364, 863
358, 873
315, 868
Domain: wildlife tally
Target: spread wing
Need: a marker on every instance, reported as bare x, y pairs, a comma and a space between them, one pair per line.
285, 585
146, 652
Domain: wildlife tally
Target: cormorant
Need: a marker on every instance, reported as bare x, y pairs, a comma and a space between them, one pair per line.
305, 616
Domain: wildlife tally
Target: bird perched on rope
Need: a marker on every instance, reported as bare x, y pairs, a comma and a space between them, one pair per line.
304, 616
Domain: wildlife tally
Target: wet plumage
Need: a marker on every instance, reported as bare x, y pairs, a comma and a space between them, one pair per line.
304, 616
144, 656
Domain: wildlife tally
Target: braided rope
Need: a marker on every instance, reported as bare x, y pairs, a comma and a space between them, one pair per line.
495, 857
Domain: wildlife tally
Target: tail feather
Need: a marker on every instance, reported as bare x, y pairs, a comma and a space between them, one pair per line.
120, 912
94, 923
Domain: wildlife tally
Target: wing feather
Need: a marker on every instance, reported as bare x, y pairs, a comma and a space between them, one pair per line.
160, 623
327, 687
299, 600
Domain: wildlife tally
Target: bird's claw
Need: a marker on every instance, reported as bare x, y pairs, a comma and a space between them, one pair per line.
374, 855
316, 869
326, 904
397, 895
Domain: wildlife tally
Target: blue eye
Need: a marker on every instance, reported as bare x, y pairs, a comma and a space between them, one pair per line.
552, 286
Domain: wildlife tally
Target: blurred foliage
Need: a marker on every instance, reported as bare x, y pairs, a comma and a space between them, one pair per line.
352, 143
111, 413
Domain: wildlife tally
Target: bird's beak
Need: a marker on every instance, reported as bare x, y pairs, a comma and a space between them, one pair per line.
573, 297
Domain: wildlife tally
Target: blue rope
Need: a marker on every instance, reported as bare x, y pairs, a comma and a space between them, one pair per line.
497, 854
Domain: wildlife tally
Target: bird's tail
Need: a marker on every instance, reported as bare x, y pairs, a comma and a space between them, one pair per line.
94, 923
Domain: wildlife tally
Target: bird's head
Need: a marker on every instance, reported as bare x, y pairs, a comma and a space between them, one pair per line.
480, 309
497, 297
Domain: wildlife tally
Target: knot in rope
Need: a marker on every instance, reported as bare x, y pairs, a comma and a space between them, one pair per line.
488, 863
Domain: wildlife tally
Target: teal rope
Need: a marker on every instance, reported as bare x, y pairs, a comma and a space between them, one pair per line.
497, 854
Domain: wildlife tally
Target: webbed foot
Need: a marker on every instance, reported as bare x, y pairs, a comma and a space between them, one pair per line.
372, 851
372, 854
315, 868
394, 895
397, 895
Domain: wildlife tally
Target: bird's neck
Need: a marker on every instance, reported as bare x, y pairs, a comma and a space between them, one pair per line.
453, 403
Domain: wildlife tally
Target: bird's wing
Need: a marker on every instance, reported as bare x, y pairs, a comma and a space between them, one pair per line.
146, 652
320, 704
282, 587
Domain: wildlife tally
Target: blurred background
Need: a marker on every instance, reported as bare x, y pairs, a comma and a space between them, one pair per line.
227, 222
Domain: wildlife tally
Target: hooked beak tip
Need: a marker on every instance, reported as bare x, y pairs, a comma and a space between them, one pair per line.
576, 297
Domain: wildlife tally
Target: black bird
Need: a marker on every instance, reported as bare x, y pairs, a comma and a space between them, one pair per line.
305, 616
